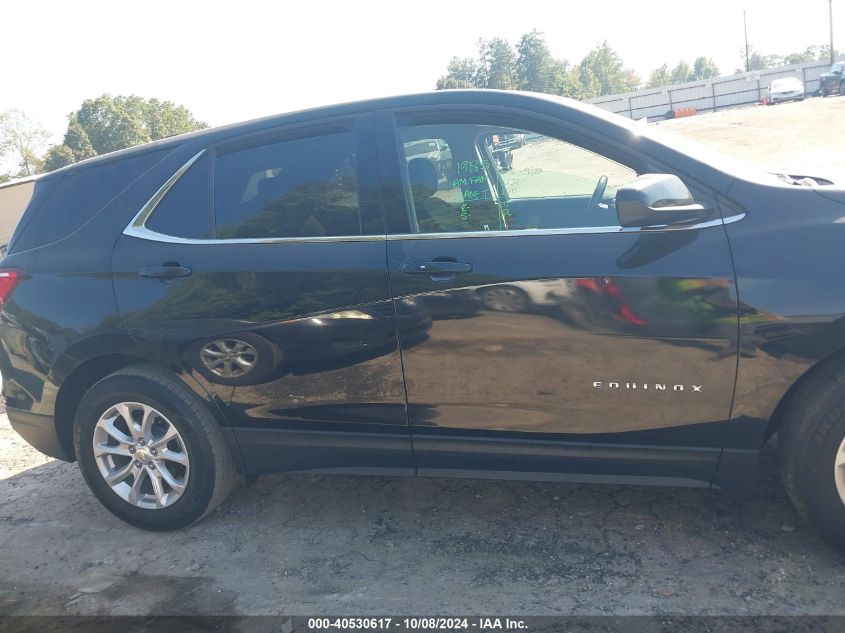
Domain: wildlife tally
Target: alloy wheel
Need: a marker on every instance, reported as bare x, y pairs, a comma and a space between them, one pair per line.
229, 358
141, 455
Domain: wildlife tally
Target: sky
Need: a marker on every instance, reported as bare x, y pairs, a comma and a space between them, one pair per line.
233, 61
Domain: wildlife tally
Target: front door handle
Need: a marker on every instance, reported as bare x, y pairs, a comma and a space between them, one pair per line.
168, 271
436, 269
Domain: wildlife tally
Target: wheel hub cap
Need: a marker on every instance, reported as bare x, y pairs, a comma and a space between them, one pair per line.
141, 455
144, 456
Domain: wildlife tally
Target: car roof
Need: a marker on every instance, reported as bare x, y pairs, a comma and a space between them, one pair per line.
502, 98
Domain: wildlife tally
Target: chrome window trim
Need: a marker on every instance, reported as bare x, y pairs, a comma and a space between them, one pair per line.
136, 228
145, 234
146, 211
586, 230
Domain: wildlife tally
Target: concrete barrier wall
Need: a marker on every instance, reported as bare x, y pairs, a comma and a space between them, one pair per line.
707, 95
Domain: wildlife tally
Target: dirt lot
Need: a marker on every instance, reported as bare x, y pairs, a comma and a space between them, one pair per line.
313, 545
803, 138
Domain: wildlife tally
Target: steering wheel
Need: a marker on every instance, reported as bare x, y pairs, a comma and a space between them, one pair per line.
598, 196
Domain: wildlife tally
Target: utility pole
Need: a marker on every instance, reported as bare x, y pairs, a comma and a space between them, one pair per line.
832, 53
745, 27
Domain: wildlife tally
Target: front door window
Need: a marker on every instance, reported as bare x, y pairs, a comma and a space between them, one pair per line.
463, 177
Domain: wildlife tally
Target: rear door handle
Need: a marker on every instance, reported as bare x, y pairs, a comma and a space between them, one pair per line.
168, 271
436, 268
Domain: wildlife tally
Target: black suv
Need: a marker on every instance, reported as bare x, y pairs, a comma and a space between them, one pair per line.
833, 80
308, 293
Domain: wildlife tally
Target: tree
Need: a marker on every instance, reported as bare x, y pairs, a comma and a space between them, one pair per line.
758, 61
114, 123
497, 64
58, 156
460, 73
23, 139
450, 83
76, 139
536, 69
810, 54
601, 72
680, 73
565, 80
659, 77
76, 147
107, 124
531, 66
704, 68
163, 119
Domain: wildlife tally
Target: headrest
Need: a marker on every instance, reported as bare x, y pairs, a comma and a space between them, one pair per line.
423, 175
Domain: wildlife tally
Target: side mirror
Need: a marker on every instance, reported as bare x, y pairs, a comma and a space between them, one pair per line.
657, 200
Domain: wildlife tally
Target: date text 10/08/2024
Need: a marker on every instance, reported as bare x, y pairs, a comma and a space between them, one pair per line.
482, 624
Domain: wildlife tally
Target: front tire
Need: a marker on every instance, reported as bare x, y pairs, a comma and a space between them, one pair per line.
151, 451
811, 452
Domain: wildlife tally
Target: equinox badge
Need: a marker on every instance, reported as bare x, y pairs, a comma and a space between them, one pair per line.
645, 386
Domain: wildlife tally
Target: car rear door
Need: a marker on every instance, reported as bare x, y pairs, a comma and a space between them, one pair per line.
258, 272
560, 342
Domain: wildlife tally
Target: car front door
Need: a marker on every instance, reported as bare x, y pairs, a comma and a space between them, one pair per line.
559, 341
259, 273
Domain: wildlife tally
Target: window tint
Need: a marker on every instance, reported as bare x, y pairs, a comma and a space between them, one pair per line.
298, 188
463, 177
74, 198
184, 211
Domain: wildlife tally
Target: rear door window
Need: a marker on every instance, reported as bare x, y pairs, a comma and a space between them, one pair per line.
304, 187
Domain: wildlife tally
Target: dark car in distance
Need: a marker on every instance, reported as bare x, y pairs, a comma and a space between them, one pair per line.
308, 293
833, 81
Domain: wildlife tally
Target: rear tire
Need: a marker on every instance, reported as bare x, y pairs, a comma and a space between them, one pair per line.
198, 462
811, 452
504, 298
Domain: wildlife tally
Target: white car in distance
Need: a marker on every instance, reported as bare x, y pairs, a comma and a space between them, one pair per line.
786, 89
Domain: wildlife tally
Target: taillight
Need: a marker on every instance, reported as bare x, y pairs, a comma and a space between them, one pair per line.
9, 278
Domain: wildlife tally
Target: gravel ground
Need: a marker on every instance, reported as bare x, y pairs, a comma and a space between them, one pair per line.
803, 137
312, 544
